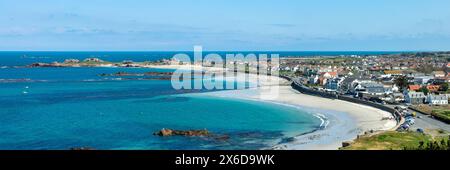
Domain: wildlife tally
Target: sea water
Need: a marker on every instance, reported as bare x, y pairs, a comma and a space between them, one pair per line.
63, 108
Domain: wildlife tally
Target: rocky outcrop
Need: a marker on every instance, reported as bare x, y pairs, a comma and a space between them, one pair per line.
193, 133
170, 132
158, 73
166, 74
126, 74
53, 64
222, 138
119, 74
96, 62
346, 143
42, 65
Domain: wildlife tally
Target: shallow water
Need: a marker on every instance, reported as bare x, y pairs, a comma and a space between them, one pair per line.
61, 108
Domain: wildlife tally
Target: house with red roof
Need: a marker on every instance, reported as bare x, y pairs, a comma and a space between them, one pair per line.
329, 74
414, 87
433, 88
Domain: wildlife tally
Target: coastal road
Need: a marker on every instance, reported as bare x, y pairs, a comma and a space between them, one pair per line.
424, 122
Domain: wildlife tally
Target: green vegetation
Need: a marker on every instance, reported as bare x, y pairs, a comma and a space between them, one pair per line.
438, 144
424, 90
285, 73
402, 82
444, 87
440, 112
299, 73
443, 115
426, 109
389, 141
427, 69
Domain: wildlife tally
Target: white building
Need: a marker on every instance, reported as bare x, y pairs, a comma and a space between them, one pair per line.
313, 79
437, 99
413, 97
422, 79
334, 84
438, 74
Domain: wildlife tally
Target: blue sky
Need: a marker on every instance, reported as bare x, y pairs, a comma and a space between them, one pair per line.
143, 25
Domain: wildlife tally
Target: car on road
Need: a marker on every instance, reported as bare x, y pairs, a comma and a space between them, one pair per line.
420, 130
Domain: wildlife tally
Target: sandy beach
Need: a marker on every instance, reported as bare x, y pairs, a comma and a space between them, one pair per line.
343, 120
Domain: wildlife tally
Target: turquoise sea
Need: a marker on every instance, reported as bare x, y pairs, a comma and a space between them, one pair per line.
63, 108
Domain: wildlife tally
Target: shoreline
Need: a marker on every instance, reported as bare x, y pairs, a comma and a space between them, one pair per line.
341, 125
344, 120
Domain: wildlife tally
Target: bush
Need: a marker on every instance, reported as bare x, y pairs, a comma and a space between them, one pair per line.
443, 115
443, 144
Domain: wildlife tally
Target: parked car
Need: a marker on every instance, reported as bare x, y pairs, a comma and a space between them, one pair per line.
410, 121
420, 130
404, 126
408, 114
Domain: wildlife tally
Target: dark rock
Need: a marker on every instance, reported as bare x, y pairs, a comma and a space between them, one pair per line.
158, 73
222, 138
288, 140
167, 74
126, 74
159, 78
345, 144
164, 132
39, 65
54, 64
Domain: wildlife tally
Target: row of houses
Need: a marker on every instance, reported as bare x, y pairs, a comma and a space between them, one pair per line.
373, 90
414, 98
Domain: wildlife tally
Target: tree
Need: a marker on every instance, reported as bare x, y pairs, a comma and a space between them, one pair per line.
424, 90
444, 87
298, 73
401, 82
442, 144
427, 69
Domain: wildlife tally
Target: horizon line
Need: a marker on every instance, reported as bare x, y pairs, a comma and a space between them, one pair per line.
225, 50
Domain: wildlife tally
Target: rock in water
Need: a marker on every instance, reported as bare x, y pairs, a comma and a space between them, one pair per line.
222, 138
165, 132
